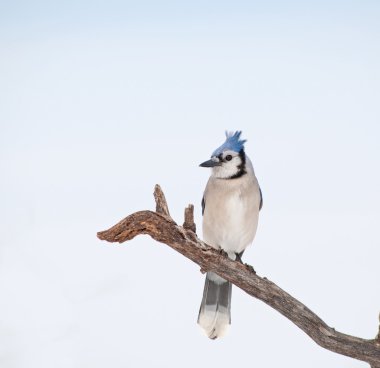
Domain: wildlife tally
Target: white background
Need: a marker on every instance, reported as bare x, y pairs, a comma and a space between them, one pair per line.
100, 101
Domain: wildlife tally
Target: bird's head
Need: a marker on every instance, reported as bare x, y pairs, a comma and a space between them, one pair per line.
228, 161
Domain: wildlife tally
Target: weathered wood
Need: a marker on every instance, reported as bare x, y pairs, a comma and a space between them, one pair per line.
161, 204
189, 223
162, 228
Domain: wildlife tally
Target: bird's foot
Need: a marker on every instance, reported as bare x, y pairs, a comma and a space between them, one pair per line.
238, 258
250, 268
222, 252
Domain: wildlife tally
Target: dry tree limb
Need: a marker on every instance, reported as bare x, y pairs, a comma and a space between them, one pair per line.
189, 223
162, 228
161, 204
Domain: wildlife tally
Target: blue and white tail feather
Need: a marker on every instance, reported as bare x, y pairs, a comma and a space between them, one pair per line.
215, 310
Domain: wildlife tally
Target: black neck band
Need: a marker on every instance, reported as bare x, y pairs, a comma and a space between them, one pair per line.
241, 168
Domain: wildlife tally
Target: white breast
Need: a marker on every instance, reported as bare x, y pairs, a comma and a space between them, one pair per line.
231, 212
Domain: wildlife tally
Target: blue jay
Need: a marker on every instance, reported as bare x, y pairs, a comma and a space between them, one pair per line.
230, 207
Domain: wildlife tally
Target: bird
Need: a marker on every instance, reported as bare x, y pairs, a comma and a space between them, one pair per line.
231, 204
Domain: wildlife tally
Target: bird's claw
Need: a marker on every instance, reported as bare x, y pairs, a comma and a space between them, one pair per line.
238, 258
250, 268
222, 252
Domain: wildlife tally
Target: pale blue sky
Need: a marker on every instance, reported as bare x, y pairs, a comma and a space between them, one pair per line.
100, 101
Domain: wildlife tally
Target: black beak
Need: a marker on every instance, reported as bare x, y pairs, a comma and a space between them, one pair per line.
210, 163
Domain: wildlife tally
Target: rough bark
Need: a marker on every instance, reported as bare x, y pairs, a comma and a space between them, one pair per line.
160, 226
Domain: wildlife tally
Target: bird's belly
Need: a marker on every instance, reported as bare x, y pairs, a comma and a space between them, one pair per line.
231, 224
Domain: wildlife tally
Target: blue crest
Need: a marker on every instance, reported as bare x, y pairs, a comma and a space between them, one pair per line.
232, 143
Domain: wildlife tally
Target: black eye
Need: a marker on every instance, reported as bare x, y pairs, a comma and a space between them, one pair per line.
228, 157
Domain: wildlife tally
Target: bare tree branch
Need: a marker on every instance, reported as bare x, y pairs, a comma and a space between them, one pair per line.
161, 204
162, 228
189, 223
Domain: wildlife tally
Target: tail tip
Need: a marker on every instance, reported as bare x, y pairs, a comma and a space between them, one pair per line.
215, 329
